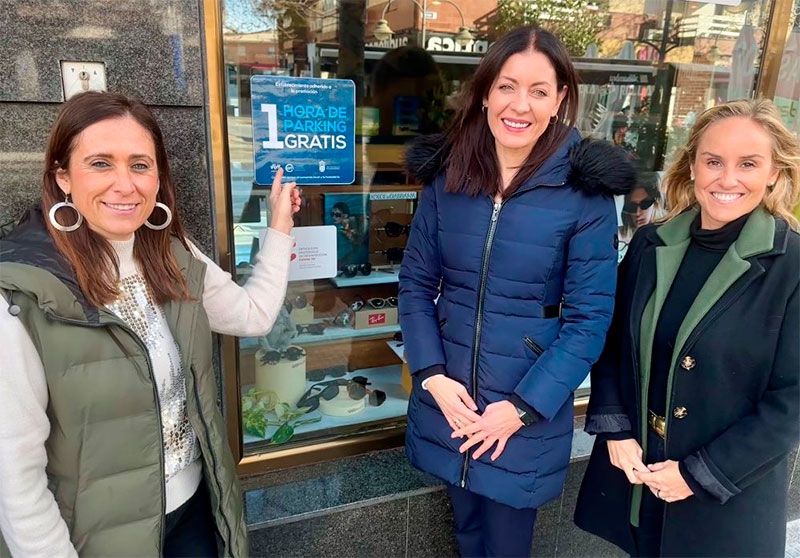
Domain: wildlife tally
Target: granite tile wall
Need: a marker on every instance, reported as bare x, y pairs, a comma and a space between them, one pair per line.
151, 50
380, 506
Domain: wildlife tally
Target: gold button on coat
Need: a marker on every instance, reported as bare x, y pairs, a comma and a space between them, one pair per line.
688, 362
680, 412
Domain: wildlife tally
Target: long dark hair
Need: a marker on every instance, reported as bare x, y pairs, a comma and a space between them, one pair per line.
472, 166
91, 256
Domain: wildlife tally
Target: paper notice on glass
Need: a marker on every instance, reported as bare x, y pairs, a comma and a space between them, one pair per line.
313, 254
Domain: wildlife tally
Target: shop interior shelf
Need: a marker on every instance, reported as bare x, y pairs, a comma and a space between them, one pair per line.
385, 378
377, 277
330, 334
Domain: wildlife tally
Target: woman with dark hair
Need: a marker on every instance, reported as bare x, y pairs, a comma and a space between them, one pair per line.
641, 206
696, 397
506, 289
111, 440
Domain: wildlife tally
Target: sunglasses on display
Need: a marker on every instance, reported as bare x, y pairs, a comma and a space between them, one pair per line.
343, 318
398, 336
393, 229
274, 357
300, 301
311, 329
327, 390
321, 373
631, 206
376, 303
351, 270
393, 254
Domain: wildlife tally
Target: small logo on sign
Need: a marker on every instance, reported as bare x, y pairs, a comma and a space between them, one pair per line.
377, 319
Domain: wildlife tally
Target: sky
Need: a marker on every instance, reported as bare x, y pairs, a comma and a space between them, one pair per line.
242, 17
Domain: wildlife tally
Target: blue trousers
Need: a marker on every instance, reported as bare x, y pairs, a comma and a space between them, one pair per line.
484, 527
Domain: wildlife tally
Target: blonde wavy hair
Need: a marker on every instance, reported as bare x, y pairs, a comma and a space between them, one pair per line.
780, 199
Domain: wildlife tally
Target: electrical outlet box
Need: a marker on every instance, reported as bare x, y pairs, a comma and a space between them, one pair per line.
77, 77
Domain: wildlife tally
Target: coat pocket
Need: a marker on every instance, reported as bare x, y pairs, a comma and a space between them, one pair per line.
533, 346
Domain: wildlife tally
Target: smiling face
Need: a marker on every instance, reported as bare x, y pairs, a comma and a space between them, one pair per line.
732, 168
112, 177
520, 104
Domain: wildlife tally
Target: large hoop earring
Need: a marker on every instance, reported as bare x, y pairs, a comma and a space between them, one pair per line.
58, 226
163, 225
554, 119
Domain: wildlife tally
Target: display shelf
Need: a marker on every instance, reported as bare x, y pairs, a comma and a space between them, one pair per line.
329, 335
386, 378
378, 276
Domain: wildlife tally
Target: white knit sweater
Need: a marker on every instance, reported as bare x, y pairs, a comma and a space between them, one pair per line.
30, 521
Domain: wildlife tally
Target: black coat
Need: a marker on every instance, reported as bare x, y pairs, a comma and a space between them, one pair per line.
735, 371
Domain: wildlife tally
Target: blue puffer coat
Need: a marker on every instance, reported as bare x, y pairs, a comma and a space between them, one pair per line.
500, 271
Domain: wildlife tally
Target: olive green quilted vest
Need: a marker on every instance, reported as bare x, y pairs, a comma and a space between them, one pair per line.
105, 456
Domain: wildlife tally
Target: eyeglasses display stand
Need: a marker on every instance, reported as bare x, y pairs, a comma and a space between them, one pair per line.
286, 378
342, 405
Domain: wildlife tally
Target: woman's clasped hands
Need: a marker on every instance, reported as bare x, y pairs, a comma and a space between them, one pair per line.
495, 426
664, 479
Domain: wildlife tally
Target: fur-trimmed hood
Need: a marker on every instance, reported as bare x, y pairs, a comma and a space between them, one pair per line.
595, 166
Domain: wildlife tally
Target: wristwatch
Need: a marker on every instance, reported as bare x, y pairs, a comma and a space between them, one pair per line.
525, 417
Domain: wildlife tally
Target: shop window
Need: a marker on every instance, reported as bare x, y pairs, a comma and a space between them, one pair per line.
647, 69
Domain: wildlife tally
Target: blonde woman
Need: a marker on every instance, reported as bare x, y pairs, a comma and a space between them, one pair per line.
695, 398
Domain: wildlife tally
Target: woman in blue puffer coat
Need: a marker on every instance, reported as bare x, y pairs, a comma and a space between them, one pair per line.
507, 289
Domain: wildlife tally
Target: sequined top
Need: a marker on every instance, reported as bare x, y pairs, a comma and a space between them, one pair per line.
136, 307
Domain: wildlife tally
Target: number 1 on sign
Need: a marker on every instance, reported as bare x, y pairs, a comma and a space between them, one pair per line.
272, 127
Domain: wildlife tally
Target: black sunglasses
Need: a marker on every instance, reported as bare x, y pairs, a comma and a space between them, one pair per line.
350, 270
321, 373
327, 390
631, 206
312, 329
392, 254
393, 229
274, 357
336, 214
376, 303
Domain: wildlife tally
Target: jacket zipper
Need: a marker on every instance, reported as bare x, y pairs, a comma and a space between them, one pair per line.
487, 249
141, 344
534, 346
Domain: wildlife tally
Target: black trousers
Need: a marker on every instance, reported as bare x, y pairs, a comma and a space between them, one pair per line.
484, 527
190, 530
651, 518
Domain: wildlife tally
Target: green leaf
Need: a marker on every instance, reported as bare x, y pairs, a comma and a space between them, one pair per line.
307, 421
282, 434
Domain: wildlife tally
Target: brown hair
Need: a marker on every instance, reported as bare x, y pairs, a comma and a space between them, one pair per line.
91, 256
780, 199
472, 166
